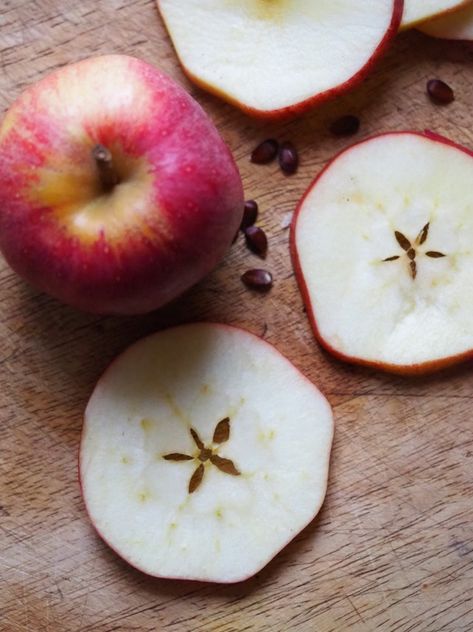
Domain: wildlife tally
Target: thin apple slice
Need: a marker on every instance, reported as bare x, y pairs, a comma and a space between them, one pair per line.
204, 452
456, 26
417, 11
382, 250
280, 57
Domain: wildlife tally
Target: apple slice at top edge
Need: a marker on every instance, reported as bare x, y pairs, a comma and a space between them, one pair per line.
417, 11
279, 58
204, 452
381, 244
455, 26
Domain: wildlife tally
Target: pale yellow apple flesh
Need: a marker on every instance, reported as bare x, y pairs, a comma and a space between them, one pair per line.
204, 452
268, 56
455, 26
383, 249
417, 11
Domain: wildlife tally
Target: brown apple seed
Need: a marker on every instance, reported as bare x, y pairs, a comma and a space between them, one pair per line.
265, 152
440, 92
256, 240
345, 125
260, 280
250, 214
288, 158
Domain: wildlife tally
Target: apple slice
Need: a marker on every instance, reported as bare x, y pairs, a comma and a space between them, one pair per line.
455, 26
281, 57
417, 11
382, 250
204, 452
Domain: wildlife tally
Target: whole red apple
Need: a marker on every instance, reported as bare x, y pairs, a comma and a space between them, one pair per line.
117, 192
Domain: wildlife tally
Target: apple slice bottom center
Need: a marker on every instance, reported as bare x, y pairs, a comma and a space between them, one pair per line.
204, 452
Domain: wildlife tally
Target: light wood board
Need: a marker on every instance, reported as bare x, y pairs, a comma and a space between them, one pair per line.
392, 549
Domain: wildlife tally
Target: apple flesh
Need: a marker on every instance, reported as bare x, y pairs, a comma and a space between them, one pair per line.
117, 193
417, 11
381, 244
454, 26
204, 452
279, 58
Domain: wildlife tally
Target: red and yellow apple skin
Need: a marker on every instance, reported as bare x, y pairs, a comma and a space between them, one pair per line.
165, 225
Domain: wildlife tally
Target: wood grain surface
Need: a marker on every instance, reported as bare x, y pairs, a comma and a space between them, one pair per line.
392, 549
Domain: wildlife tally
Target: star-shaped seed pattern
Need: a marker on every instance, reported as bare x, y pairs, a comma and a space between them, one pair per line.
205, 455
411, 249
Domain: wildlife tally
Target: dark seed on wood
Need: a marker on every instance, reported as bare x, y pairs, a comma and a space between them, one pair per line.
260, 280
288, 158
345, 125
440, 92
256, 240
250, 214
265, 152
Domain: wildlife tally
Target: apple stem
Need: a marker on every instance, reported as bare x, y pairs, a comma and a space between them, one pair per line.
104, 161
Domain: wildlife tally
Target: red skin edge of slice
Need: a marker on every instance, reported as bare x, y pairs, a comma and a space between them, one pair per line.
399, 369
318, 99
184, 578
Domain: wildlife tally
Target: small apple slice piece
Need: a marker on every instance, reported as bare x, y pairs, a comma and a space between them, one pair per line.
417, 11
381, 244
204, 452
455, 26
281, 57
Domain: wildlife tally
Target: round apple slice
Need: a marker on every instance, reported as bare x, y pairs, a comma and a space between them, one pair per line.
457, 26
280, 57
417, 11
382, 250
204, 452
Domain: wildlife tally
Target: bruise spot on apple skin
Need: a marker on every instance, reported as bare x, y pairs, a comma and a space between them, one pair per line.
125, 459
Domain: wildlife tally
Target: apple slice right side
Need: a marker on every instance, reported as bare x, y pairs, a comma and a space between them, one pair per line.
279, 57
417, 11
454, 26
382, 248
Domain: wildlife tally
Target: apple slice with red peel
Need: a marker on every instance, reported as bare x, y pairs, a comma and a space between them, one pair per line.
455, 26
204, 452
417, 11
281, 57
381, 244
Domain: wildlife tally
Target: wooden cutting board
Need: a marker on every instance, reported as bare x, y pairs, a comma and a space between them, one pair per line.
392, 549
